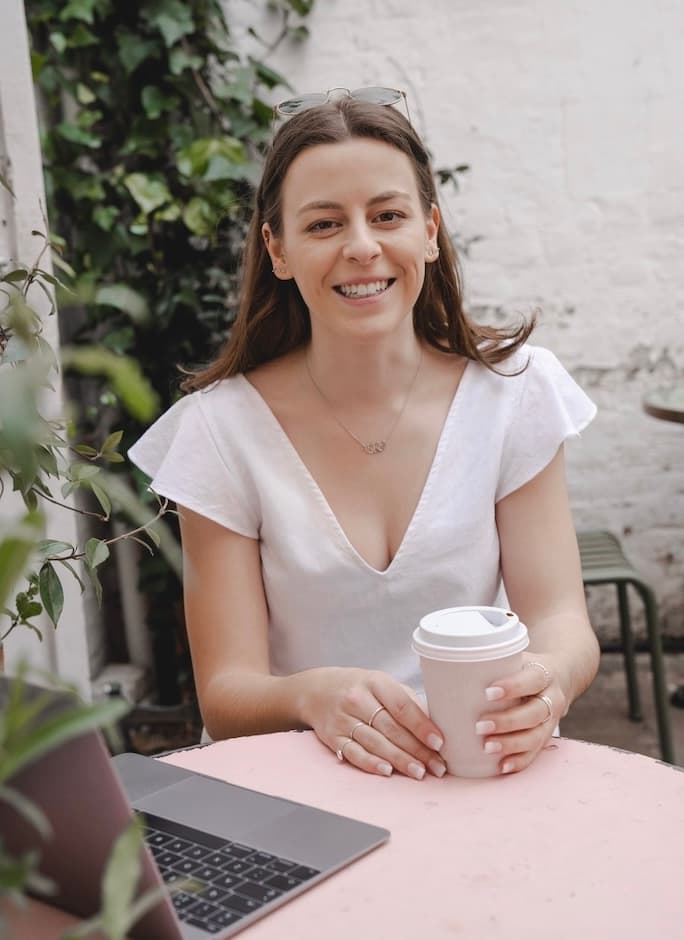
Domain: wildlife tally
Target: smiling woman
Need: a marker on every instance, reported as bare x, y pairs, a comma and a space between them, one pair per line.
364, 493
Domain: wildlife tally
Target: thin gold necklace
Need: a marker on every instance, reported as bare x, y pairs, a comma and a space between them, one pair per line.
372, 447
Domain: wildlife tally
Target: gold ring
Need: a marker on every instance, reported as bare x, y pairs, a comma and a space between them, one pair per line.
339, 753
549, 704
380, 708
545, 671
359, 724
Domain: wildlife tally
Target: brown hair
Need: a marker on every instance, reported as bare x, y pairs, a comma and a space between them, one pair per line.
272, 317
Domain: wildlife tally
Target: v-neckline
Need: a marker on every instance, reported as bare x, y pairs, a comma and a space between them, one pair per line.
313, 484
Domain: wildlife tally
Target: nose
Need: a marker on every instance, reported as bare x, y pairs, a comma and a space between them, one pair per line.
361, 244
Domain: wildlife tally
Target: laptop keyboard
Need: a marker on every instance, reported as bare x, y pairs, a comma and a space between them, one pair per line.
228, 880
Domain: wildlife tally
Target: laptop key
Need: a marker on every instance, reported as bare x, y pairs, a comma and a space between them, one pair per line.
212, 893
303, 872
226, 881
198, 852
166, 859
203, 909
208, 872
258, 874
237, 902
261, 858
152, 837
226, 918
216, 858
282, 882
281, 865
237, 850
187, 865
258, 892
205, 925
181, 900
237, 867
177, 845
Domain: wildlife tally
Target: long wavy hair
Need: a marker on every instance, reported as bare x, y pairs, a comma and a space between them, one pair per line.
272, 318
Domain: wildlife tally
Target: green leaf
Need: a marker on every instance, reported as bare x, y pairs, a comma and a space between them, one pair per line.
179, 60
97, 552
12, 277
83, 94
199, 216
58, 40
121, 879
26, 808
27, 608
85, 450
112, 442
79, 10
16, 548
102, 498
51, 592
73, 571
133, 50
55, 729
53, 547
149, 191
172, 18
155, 102
77, 135
124, 298
133, 389
105, 217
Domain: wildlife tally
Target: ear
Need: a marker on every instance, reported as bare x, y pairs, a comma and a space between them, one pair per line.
431, 229
274, 247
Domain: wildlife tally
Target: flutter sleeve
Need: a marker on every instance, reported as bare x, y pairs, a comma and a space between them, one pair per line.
188, 463
549, 408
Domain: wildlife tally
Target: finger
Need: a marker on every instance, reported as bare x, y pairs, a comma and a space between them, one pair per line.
397, 745
514, 763
358, 756
531, 713
534, 677
406, 712
520, 742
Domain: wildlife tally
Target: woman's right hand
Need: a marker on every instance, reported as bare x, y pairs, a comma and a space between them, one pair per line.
373, 721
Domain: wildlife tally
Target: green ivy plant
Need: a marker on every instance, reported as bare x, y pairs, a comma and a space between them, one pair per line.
155, 124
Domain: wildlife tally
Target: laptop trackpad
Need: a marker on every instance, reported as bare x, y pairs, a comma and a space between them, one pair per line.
223, 809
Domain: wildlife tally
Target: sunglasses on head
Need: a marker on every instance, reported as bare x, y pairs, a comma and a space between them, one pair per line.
375, 94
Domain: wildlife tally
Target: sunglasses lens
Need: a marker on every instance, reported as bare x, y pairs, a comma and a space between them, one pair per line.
377, 95
303, 103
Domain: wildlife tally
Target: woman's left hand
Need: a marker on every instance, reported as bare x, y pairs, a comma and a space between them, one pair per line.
519, 731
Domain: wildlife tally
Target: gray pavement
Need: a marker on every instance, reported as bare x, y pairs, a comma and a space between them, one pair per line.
600, 715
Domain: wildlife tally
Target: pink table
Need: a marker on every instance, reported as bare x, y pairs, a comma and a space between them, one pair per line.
585, 843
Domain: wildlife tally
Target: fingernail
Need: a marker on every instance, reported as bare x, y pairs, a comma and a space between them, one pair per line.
493, 747
494, 692
436, 767
508, 767
435, 742
484, 727
417, 771
385, 769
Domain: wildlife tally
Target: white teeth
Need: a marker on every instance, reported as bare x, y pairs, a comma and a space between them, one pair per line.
363, 290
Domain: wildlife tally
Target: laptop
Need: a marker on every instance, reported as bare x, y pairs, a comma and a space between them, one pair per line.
237, 853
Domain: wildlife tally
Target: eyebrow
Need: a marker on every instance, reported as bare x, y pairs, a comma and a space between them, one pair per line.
373, 201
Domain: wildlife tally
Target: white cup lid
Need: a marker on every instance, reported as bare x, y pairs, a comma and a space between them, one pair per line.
469, 633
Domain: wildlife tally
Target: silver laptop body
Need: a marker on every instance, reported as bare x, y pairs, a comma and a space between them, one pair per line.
215, 834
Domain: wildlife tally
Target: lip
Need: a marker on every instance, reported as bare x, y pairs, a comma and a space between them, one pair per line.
366, 280
373, 298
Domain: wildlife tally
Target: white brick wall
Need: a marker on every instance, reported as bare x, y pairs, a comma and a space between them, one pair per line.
570, 116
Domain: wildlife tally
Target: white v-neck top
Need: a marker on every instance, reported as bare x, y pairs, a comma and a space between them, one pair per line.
222, 453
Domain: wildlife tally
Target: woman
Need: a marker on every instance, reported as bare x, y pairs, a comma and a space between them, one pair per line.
361, 453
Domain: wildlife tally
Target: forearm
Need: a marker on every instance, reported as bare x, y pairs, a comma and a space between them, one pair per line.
240, 702
567, 641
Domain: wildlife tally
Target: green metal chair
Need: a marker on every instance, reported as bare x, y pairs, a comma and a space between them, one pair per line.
604, 562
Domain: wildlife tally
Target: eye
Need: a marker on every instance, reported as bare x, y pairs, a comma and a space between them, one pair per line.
389, 215
322, 225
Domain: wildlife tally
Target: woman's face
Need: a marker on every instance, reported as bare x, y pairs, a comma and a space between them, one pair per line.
354, 236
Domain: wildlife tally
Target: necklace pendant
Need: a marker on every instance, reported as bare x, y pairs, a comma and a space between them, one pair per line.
374, 447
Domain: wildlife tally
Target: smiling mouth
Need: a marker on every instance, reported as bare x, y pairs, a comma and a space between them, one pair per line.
372, 289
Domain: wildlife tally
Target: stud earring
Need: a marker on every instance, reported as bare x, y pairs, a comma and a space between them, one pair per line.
431, 253
280, 270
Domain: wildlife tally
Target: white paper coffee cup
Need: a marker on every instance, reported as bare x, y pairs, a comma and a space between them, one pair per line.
462, 651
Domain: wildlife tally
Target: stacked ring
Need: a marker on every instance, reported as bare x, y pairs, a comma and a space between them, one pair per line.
339, 753
545, 671
359, 724
549, 704
380, 708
